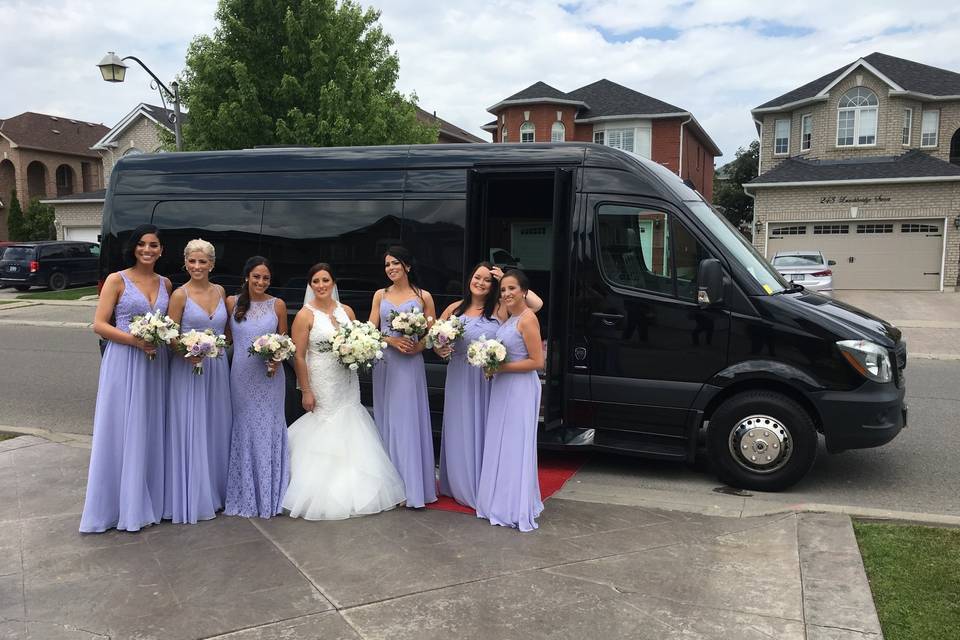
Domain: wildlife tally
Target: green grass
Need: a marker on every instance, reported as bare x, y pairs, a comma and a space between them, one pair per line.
6, 436
66, 294
914, 574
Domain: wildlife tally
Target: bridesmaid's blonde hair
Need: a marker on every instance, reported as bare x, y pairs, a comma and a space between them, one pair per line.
199, 244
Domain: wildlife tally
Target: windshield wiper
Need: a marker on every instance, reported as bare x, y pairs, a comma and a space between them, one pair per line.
793, 288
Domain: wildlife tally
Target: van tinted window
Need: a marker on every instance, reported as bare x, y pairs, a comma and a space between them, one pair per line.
433, 231
19, 253
635, 247
53, 251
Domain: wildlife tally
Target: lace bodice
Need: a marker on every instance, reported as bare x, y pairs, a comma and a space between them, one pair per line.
332, 383
475, 327
132, 302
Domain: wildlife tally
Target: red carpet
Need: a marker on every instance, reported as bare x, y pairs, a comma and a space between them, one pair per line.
554, 469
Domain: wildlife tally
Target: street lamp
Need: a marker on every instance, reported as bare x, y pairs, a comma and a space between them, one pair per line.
113, 69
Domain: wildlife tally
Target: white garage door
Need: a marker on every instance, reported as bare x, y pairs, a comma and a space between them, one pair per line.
870, 254
88, 234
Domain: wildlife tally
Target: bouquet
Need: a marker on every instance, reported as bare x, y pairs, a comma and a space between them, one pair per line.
487, 355
444, 333
412, 324
154, 328
272, 347
357, 345
201, 344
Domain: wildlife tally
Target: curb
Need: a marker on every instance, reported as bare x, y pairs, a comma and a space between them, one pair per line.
79, 440
46, 323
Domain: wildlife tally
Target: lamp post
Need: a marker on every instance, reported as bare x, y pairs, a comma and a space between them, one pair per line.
113, 69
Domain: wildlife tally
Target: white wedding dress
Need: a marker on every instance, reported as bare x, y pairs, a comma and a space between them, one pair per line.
338, 466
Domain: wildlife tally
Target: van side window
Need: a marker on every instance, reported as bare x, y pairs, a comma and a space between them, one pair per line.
53, 251
687, 254
635, 247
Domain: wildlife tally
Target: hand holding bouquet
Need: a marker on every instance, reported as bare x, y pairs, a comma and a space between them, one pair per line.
154, 328
444, 333
272, 348
357, 345
411, 324
201, 344
487, 355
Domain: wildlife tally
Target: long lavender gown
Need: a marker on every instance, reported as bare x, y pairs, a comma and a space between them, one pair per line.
402, 413
198, 428
509, 492
259, 460
465, 397
125, 479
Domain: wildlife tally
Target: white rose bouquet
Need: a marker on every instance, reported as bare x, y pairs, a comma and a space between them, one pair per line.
412, 324
487, 355
444, 333
272, 347
154, 328
358, 345
201, 344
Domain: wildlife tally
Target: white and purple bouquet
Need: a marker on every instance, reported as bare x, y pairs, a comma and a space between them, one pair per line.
357, 345
154, 328
201, 344
412, 324
272, 347
444, 333
487, 355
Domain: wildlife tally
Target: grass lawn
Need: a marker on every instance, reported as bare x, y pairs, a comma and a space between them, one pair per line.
914, 574
66, 294
6, 436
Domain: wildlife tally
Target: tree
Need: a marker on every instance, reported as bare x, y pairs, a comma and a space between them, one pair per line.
306, 72
736, 205
16, 224
38, 221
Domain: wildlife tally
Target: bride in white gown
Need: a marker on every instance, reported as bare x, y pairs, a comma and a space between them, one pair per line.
338, 466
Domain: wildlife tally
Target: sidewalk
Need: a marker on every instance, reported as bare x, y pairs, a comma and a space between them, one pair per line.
591, 571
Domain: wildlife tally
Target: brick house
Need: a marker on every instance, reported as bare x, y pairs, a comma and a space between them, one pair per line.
45, 156
864, 165
611, 114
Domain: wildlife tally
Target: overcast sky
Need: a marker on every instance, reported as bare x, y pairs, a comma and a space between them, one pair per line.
716, 58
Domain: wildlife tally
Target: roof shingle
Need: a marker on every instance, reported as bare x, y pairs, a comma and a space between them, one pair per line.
608, 98
912, 164
53, 133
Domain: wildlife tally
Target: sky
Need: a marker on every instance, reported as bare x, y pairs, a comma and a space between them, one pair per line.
715, 58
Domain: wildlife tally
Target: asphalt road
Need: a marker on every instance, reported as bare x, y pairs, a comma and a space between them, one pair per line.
50, 381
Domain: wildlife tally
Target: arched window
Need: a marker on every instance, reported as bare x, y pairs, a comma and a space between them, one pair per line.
132, 151
857, 118
557, 132
503, 134
527, 132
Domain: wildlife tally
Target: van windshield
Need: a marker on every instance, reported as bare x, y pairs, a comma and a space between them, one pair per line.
734, 242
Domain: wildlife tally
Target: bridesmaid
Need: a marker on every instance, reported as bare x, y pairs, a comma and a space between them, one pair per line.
400, 405
466, 390
509, 492
198, 411
125, 480
259, 459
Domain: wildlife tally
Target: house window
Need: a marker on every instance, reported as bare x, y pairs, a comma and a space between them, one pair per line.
806, 132
527, 132
875, 228
789, 231
598, 137
857, 118
919, 228
830, 229
557, 132
620, 139
64, 180
503, 134
781, 142
930, 124
907, 126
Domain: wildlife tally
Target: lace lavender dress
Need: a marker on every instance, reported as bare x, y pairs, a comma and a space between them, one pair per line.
125, 480
259, 460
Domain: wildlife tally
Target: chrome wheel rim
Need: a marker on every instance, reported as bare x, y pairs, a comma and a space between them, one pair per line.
761, 444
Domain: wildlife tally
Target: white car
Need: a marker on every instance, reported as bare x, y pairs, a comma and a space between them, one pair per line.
808, 268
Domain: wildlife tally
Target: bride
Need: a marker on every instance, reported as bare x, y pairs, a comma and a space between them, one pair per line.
338, 466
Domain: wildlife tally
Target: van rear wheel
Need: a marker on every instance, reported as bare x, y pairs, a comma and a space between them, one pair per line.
761, 440
58, 281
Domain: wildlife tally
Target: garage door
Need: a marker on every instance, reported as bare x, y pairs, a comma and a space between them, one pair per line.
87, 234
870, 254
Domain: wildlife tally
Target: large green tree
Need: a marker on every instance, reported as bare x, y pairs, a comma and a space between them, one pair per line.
38, 221
16, 225
306, 72
728, 194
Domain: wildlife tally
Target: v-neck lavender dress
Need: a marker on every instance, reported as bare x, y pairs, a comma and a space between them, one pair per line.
259, 459
125, 479
465, 397
509, 491
402, 413
199, 419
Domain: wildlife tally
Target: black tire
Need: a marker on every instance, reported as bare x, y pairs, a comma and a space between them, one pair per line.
21, 287
58, 281
760, 425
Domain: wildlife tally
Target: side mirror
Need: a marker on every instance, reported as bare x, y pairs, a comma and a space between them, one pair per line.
710, 283
830, 263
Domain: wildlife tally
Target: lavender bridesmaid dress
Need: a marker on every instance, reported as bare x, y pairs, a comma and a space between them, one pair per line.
402, 413
125, 480
259, 460
465, 397
509, 492
198, 428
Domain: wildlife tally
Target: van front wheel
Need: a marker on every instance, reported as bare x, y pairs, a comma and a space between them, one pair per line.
761, 440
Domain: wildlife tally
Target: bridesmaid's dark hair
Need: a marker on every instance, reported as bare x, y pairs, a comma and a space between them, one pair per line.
521, 277
243, 296
130, 246
493, 296
403, 254
317, 268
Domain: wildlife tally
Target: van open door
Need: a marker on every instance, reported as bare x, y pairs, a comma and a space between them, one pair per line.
557, 339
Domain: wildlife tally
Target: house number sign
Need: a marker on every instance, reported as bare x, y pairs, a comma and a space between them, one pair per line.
853, 199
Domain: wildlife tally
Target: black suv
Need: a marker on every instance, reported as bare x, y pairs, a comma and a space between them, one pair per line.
53, 263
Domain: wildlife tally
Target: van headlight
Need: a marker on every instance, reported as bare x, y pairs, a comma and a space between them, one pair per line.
870, 360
